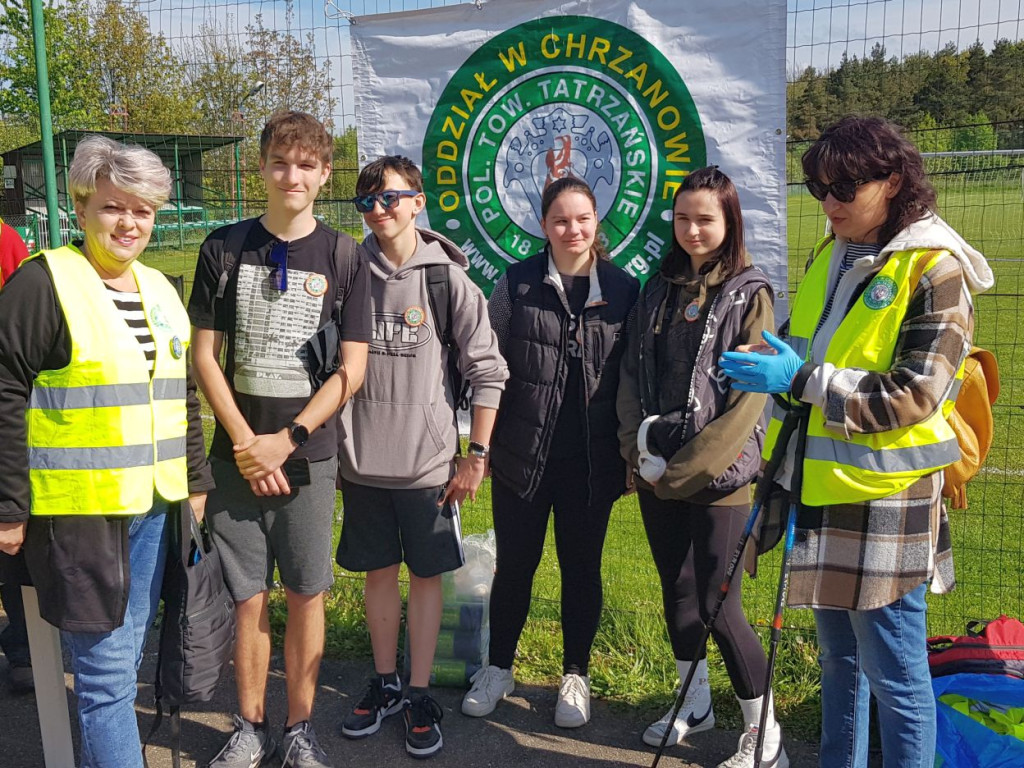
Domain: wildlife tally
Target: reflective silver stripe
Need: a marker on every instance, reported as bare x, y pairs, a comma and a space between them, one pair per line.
799, 345
171, 448
168, 389
98, 396
119, 457
955, 389
778, 412
885, 461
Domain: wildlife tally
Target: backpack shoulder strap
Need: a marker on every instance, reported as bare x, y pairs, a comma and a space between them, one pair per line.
152, 731
233, 244
817, 249
987, 362
345, 255
439, 295
175, 718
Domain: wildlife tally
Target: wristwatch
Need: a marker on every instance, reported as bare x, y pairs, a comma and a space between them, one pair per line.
478, 449
298, 433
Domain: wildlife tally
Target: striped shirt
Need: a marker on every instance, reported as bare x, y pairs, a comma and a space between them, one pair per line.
854, 251
129, 305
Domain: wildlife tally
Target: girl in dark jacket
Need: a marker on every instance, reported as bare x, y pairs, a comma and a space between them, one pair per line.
696, 446
559, 317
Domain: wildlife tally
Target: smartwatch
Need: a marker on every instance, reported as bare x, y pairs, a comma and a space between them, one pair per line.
478, 449
298, 433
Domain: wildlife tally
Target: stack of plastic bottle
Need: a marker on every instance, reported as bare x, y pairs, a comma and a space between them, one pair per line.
465, 631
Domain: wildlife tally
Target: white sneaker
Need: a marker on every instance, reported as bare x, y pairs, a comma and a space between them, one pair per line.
773, 756
694, 716
491, 684
573, 708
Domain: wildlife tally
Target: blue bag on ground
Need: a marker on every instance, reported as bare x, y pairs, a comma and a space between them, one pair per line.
962, 742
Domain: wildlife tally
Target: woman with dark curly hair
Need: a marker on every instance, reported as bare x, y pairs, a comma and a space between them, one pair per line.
878, 333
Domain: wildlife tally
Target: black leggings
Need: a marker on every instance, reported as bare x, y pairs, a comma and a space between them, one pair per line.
692, 545
520, 527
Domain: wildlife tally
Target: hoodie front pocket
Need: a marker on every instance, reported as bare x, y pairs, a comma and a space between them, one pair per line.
394, 441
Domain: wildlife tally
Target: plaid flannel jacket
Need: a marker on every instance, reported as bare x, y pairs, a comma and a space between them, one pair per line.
866, 555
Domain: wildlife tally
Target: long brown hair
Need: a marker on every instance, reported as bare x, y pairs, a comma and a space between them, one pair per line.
868, 148
572, 184
731, 254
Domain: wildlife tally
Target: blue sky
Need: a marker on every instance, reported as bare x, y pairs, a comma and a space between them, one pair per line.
818, 31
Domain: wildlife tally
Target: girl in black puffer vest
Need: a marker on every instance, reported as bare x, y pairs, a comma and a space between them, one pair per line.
696, 445
559, 317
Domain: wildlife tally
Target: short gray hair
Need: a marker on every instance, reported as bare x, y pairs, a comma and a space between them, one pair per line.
128, 167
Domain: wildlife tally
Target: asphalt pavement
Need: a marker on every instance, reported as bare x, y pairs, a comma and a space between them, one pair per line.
521, 730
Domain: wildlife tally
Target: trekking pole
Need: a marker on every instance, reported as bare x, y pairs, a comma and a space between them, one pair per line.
763, 488
780, 598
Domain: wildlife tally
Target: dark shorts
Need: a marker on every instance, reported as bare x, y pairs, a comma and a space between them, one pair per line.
384, 526
255, 532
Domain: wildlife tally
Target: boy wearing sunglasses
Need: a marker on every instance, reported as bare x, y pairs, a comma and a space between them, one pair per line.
402, 488
268, 286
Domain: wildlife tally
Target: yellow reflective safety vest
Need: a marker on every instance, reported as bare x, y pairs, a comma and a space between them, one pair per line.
104, 436
840, 470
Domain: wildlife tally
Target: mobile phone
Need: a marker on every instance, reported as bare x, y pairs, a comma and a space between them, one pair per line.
297, 472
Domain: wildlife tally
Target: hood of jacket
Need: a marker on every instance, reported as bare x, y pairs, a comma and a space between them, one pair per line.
934, 233
431, 248
698, 284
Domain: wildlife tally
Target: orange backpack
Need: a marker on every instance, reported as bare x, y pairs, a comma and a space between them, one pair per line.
971, 420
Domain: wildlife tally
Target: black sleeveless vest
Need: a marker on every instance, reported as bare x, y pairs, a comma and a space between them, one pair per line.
537, 356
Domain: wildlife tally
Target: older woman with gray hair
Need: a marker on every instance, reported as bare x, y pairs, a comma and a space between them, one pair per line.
100, 433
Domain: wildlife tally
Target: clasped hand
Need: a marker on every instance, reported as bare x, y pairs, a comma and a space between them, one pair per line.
259, 460
768, 367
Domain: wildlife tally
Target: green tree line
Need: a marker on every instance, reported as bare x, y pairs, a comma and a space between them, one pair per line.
109, 70
950, 100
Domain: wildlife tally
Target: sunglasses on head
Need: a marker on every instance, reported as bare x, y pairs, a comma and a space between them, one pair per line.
279, 266
387, 198
843, 191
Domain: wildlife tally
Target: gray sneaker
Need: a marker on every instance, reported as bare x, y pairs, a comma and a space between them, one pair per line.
248, 747
300, 748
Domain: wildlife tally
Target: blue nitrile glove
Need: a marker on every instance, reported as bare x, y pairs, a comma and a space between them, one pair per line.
762, 372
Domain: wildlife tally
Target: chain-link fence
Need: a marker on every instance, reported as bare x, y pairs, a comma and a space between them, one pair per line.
201, 81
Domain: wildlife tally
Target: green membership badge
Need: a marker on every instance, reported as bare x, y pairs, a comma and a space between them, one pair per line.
881, 292
414, 316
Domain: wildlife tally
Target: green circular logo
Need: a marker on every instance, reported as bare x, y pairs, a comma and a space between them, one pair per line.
881, 292
554, 97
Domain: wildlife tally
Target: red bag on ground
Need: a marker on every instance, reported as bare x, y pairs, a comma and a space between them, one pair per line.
992, 648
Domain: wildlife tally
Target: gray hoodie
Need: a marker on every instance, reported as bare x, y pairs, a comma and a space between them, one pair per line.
399, 430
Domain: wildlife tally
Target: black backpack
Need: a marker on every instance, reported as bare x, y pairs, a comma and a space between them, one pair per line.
197, 634
439, 293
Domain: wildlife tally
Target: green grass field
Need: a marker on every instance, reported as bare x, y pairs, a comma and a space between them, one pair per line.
632, 662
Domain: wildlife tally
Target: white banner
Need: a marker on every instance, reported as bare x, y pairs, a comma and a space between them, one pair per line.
495, 101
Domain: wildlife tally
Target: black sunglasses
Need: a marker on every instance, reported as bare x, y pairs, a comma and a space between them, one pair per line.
388, 198
279, 266
843, 191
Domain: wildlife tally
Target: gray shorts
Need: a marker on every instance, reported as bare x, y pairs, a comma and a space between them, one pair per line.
384, 526
255, 532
